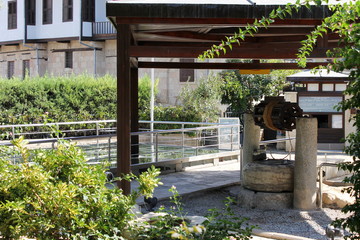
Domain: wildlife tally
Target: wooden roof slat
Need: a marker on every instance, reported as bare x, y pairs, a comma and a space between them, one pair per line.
194, 52
213, 65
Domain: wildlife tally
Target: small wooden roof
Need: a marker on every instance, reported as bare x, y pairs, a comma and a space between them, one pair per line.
321, 75
186, 28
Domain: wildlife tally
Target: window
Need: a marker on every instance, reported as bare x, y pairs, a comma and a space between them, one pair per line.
11, 69
67, 10
69, 59
47, 11
26, 68
313, 87
337, 121
187, 75
12, 15
328, 87
31, 12
340, 87
88, 10
323, 120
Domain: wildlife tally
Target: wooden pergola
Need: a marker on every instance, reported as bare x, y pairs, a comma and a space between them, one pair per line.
186, 28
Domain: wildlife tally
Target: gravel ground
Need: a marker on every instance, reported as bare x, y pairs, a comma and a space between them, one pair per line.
310, 224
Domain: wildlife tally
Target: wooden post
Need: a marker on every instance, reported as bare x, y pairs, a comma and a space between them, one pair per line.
123, 105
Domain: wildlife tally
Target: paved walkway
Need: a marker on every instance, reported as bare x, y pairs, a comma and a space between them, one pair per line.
207, 177
197, 179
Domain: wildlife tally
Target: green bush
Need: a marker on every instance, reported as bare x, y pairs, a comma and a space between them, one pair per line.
58, 196
75, 98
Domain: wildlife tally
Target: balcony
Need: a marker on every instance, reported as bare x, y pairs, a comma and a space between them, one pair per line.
103, 30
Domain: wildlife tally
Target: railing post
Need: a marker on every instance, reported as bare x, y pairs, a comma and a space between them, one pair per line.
320, 186
197, 142
13, 132
231, 138
156, 147
109, 149
183, 140
97, 141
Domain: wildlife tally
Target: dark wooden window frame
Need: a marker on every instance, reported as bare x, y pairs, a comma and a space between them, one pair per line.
69, 59
31, 12
47, 11
12, 14
68, 10
88, 10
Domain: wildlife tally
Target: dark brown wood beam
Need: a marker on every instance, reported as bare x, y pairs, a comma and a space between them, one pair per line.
181, 36
248, 53
220, 21
203, 65
207, 45
123, 105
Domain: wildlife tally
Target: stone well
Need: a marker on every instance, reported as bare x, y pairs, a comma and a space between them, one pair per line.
269, 176
267, 184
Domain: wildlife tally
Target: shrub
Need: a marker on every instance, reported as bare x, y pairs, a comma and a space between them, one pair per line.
75, 98
54, 194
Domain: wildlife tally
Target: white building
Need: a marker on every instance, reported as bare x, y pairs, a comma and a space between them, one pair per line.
63, 37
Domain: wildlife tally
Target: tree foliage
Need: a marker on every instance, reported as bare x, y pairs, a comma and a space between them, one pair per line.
241, 91
204, 99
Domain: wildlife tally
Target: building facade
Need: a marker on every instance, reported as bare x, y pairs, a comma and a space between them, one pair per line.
64, 37
318, 95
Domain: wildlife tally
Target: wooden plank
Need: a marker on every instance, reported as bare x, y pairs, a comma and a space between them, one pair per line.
194, 52
224, 65
220, 21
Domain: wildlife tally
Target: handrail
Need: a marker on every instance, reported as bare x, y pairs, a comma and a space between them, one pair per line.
324, 164
183, 129
105, 121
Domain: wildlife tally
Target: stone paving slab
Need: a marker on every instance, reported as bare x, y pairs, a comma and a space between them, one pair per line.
195, 180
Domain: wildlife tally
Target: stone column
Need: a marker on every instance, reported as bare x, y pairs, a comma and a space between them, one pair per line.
251, 140
305, 164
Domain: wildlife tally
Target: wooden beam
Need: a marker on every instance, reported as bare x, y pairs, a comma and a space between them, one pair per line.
248, 53
203, 65
123, 105
188, 35
220, 21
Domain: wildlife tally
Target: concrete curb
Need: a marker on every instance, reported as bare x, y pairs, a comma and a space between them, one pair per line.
280, 236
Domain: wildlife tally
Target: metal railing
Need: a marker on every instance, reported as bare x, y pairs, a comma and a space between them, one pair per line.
103, 28
100, 146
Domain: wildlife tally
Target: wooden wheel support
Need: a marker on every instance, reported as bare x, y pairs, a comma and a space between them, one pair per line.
276, 114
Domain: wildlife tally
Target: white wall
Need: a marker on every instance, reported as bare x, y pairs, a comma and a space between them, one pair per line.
58, 28
13, 34
100, 11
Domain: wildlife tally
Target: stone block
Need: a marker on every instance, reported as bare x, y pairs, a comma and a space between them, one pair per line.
264, 200
269, 177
